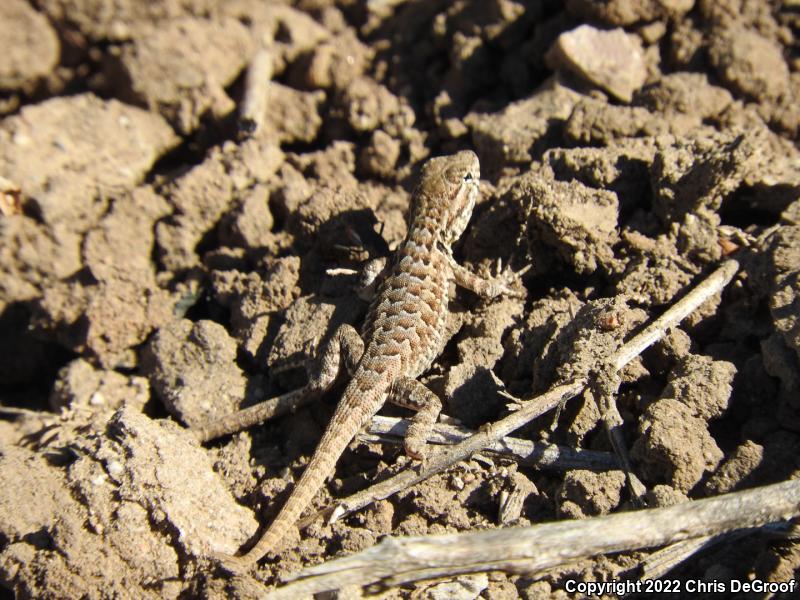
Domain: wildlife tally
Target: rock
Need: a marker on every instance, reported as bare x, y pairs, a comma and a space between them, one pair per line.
684, 92
121, 245
192, 367
380, 157
612, 60
750, 63
293, 31
334, 63
180, 68
733, 473
158, 465
69, 153
784, 301
674, 446
103, 320
118, 20
628, 12
81, 386
34, 256
585, 493
579, 222
293, 116
510, 134
702, 384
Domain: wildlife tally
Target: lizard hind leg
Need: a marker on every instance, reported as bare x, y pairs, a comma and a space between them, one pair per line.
344, 346
410, 393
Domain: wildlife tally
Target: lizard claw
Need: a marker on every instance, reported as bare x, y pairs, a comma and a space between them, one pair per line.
509, 282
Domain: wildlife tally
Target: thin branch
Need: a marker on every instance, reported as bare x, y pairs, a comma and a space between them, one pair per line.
397, 561
533, 454
676, 313
443, 459
662, 561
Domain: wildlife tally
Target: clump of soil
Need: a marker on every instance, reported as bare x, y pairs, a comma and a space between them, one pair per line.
158, 268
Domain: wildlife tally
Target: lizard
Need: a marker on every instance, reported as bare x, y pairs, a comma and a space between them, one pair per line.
402, 335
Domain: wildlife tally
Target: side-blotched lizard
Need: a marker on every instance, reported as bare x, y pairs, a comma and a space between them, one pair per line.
402, 335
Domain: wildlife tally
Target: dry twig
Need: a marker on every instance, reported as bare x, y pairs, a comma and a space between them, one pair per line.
397, 561
443, 459
532, 454
256, 88
258, 413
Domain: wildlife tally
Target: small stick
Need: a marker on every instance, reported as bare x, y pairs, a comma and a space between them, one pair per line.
713, 284
397, 561
256, 88
541, 455
18, 411
605, 386
341, 271
530, 409
662, 561
607, 383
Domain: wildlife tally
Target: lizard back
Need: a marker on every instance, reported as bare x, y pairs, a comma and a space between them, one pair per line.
408, 316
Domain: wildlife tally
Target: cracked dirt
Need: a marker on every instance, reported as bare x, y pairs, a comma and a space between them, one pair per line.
158, 270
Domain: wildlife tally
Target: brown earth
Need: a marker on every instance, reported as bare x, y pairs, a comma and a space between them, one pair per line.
157, 269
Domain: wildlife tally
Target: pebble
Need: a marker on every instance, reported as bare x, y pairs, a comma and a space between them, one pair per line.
612, 60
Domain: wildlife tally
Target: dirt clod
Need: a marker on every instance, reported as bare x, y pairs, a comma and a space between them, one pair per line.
191, 367
160, 266
612, 60
31, 45
69, 154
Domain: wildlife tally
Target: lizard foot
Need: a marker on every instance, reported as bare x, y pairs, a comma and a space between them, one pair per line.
507, 282
416, 449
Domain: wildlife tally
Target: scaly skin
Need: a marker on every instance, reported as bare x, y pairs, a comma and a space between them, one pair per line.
403, 334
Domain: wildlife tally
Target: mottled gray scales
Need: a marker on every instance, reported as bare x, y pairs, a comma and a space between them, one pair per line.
402, 335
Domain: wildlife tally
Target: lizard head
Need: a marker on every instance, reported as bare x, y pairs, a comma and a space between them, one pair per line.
445, 196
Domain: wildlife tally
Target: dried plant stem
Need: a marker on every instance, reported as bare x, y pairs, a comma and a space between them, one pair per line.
443, 459
540, 455
256, 88
706, 289
396, 561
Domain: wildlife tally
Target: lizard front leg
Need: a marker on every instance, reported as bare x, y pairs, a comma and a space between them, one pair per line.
372, 274
487, 288
410, 393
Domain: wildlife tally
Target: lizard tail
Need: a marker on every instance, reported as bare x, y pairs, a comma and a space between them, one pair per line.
355, 409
